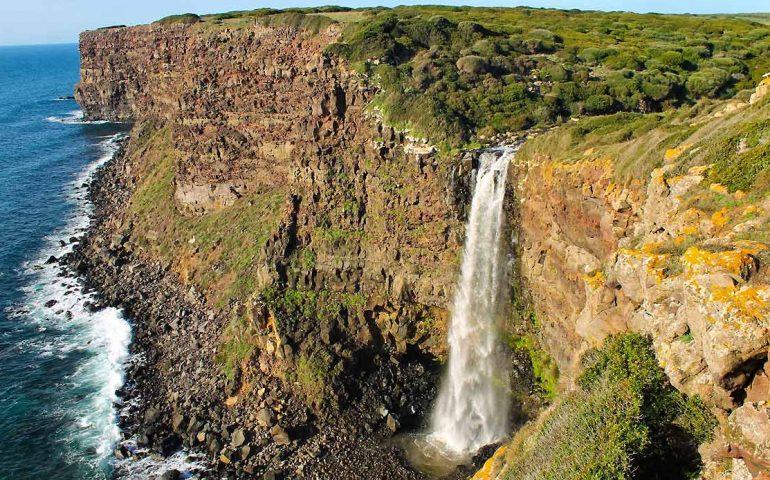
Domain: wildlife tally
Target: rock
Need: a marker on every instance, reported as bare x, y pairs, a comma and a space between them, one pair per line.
270, 475
176, 422
392, 423
151, 415
245, 451
279, 435
238, 438
266, 418
51, 303
171, 475
51, 260
759, 389
169, 445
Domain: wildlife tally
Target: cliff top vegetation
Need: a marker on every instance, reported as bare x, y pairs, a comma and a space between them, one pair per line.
455, 75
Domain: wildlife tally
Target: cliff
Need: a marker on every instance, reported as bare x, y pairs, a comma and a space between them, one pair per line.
322, 243
325, 243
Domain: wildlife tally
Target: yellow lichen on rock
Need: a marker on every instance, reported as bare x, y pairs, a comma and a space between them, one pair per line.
700, 261
596, 280
719, 218
485, 473
719, 188
674, 153
744, 303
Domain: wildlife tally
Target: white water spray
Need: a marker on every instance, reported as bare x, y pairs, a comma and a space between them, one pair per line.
473, 404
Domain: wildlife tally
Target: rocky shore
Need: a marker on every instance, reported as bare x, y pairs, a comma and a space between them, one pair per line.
175, 396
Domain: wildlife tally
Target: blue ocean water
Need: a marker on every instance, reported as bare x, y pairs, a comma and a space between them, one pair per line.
59, 364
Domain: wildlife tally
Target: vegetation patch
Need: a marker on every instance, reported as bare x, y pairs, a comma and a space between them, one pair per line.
315, 373
236, 346
742, 159
184, 18
544, 368
216, 251
291, 305
449, 73
624, 420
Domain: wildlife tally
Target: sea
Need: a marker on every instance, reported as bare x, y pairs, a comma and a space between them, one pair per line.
60, 364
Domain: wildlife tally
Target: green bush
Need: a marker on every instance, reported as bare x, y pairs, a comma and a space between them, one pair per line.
624, 421
442, 70
742, 157
599, 104
185, 18
472, 64
708, 82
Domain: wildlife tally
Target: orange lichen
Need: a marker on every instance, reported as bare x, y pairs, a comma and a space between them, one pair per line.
750, 210
746, 302
739, 194
674, 153
596, 280
718, 188
485, 473
653, 262
719, 218
697, 261
690, 220
698, 170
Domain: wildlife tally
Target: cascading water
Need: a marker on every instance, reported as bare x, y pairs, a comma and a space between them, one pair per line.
473, 404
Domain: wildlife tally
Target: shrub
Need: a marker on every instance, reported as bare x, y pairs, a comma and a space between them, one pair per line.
472, 64
707, 82
739, 168
185, 18
672, 59
624, 421
310, 23
599, 104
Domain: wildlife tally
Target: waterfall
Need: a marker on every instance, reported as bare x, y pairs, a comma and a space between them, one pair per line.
473, 404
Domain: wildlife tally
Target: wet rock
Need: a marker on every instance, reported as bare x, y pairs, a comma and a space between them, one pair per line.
171, 475
392, 423
51, 303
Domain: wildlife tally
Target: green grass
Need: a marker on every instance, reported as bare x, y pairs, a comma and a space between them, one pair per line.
742, 158
218, 249
315, 373
291, 305
236, 347
623, 421
544, 368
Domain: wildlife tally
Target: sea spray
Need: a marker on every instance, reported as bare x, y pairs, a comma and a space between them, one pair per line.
56, 305
473, 404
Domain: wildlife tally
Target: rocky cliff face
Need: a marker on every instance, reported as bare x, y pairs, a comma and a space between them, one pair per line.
324, 242
262, 181
670, 253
